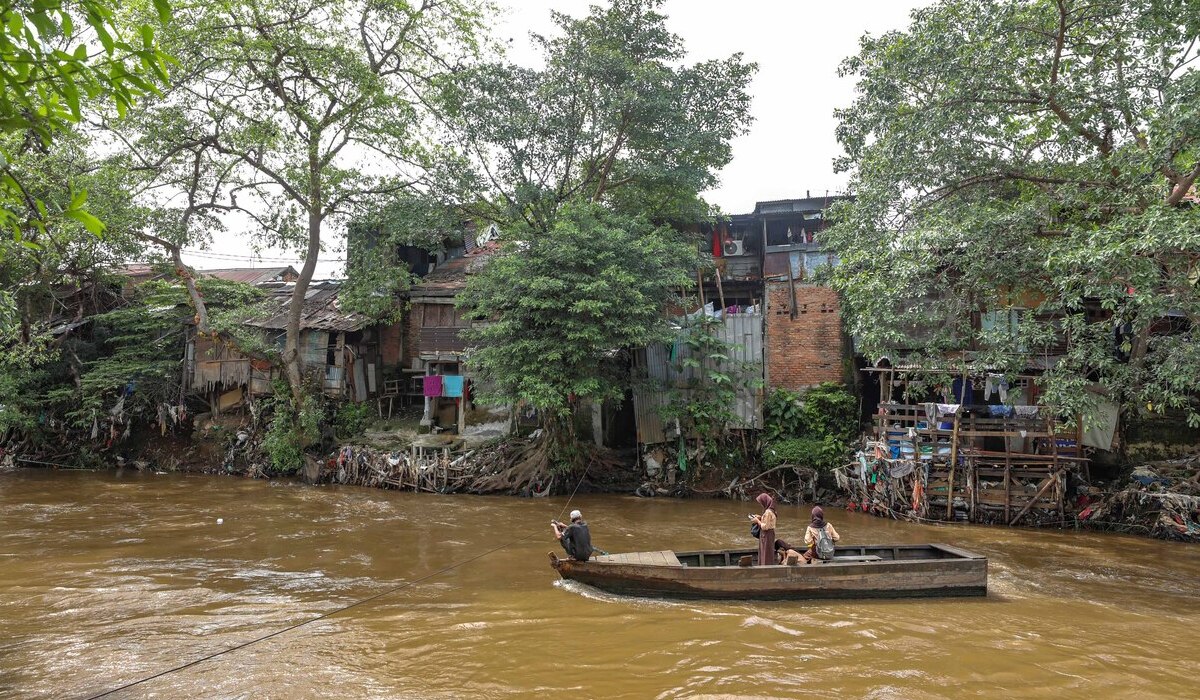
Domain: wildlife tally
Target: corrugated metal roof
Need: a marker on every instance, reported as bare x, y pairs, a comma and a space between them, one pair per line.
662, 378
321, 309
451, 276
251, 275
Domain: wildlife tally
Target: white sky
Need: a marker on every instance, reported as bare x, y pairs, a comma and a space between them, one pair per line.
790, 147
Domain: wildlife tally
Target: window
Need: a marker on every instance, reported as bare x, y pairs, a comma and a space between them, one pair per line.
1002, 327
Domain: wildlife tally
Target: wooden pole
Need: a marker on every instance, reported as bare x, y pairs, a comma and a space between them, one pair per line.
1053, 479
792, 287
1007, 486
720, 289
953, 464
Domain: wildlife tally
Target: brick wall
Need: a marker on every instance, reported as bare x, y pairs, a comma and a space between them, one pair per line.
809, 349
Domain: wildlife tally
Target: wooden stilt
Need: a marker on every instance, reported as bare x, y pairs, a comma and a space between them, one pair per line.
953, 465
1051, 481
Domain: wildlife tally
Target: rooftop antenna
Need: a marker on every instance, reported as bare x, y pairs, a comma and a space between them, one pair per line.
808, 194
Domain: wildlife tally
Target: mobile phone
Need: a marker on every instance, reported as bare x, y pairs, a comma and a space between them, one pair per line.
750, 516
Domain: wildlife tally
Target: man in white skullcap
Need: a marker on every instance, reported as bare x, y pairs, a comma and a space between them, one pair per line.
576, 539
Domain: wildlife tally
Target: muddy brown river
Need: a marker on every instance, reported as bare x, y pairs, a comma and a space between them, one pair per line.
109, 578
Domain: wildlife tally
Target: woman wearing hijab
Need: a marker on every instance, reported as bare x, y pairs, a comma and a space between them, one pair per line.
766, 521
815, 527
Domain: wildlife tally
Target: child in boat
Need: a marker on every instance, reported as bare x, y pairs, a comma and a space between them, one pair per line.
785, 554
813, 534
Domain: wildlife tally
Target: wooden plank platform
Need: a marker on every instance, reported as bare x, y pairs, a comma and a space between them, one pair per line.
663, 558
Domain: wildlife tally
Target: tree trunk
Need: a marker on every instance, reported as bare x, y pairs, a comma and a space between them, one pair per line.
293, 360
189, 280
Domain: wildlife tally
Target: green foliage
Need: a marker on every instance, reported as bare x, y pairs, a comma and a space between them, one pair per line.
814, 428
705, 407
291, 431
819, 453
375, 276
1029, 161
352, 419
831, 410
560, 306
614, 115
783, 414
134, 351
824, 410
51, 71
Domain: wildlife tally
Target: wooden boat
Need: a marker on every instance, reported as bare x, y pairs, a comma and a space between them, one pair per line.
870, 571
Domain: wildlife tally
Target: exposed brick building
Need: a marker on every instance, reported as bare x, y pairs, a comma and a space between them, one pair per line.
769, 257
804, 340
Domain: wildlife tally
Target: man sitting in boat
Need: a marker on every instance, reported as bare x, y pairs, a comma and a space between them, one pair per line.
819, 537
575, 538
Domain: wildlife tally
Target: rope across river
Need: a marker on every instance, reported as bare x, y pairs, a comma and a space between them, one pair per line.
336, 611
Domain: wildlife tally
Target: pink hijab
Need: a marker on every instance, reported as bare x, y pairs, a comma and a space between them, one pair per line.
765, 500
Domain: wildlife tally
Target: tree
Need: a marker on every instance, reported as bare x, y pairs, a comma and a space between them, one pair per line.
1029, 162
314, 107
614, 117
57, 59
580, 162
555, 310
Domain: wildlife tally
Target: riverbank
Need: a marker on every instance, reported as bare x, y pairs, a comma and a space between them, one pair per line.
1158, 500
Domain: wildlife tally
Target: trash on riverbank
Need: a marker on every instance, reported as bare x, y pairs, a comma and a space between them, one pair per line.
1160, 499
513, 466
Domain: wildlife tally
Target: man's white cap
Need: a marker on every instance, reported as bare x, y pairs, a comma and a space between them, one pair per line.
576, 515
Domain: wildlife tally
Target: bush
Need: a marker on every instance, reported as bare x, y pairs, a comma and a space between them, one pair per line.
813, 429
352, 419
819, 453
289, 434
828, 409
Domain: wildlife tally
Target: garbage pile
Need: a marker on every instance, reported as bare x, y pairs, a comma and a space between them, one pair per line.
1161, 499
366, 466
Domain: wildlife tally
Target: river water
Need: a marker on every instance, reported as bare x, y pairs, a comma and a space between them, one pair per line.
109, 578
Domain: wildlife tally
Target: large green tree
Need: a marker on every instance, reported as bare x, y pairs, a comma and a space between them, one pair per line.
555, 309
1029, 161
615, 115
308, 110
581, 162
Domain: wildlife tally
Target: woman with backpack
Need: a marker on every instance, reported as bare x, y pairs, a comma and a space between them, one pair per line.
819, 537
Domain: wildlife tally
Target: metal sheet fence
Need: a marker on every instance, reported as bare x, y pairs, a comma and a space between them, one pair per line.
660, 376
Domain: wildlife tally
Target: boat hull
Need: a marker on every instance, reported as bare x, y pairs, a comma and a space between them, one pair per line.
875, 571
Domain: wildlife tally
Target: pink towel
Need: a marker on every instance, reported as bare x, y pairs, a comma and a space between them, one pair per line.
433, 385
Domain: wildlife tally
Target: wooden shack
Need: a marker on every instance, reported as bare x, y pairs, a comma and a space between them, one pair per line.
973, 460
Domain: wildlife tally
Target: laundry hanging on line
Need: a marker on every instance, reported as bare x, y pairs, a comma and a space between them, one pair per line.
452, 385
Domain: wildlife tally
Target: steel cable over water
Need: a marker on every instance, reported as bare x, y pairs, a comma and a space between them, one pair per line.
342, 609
